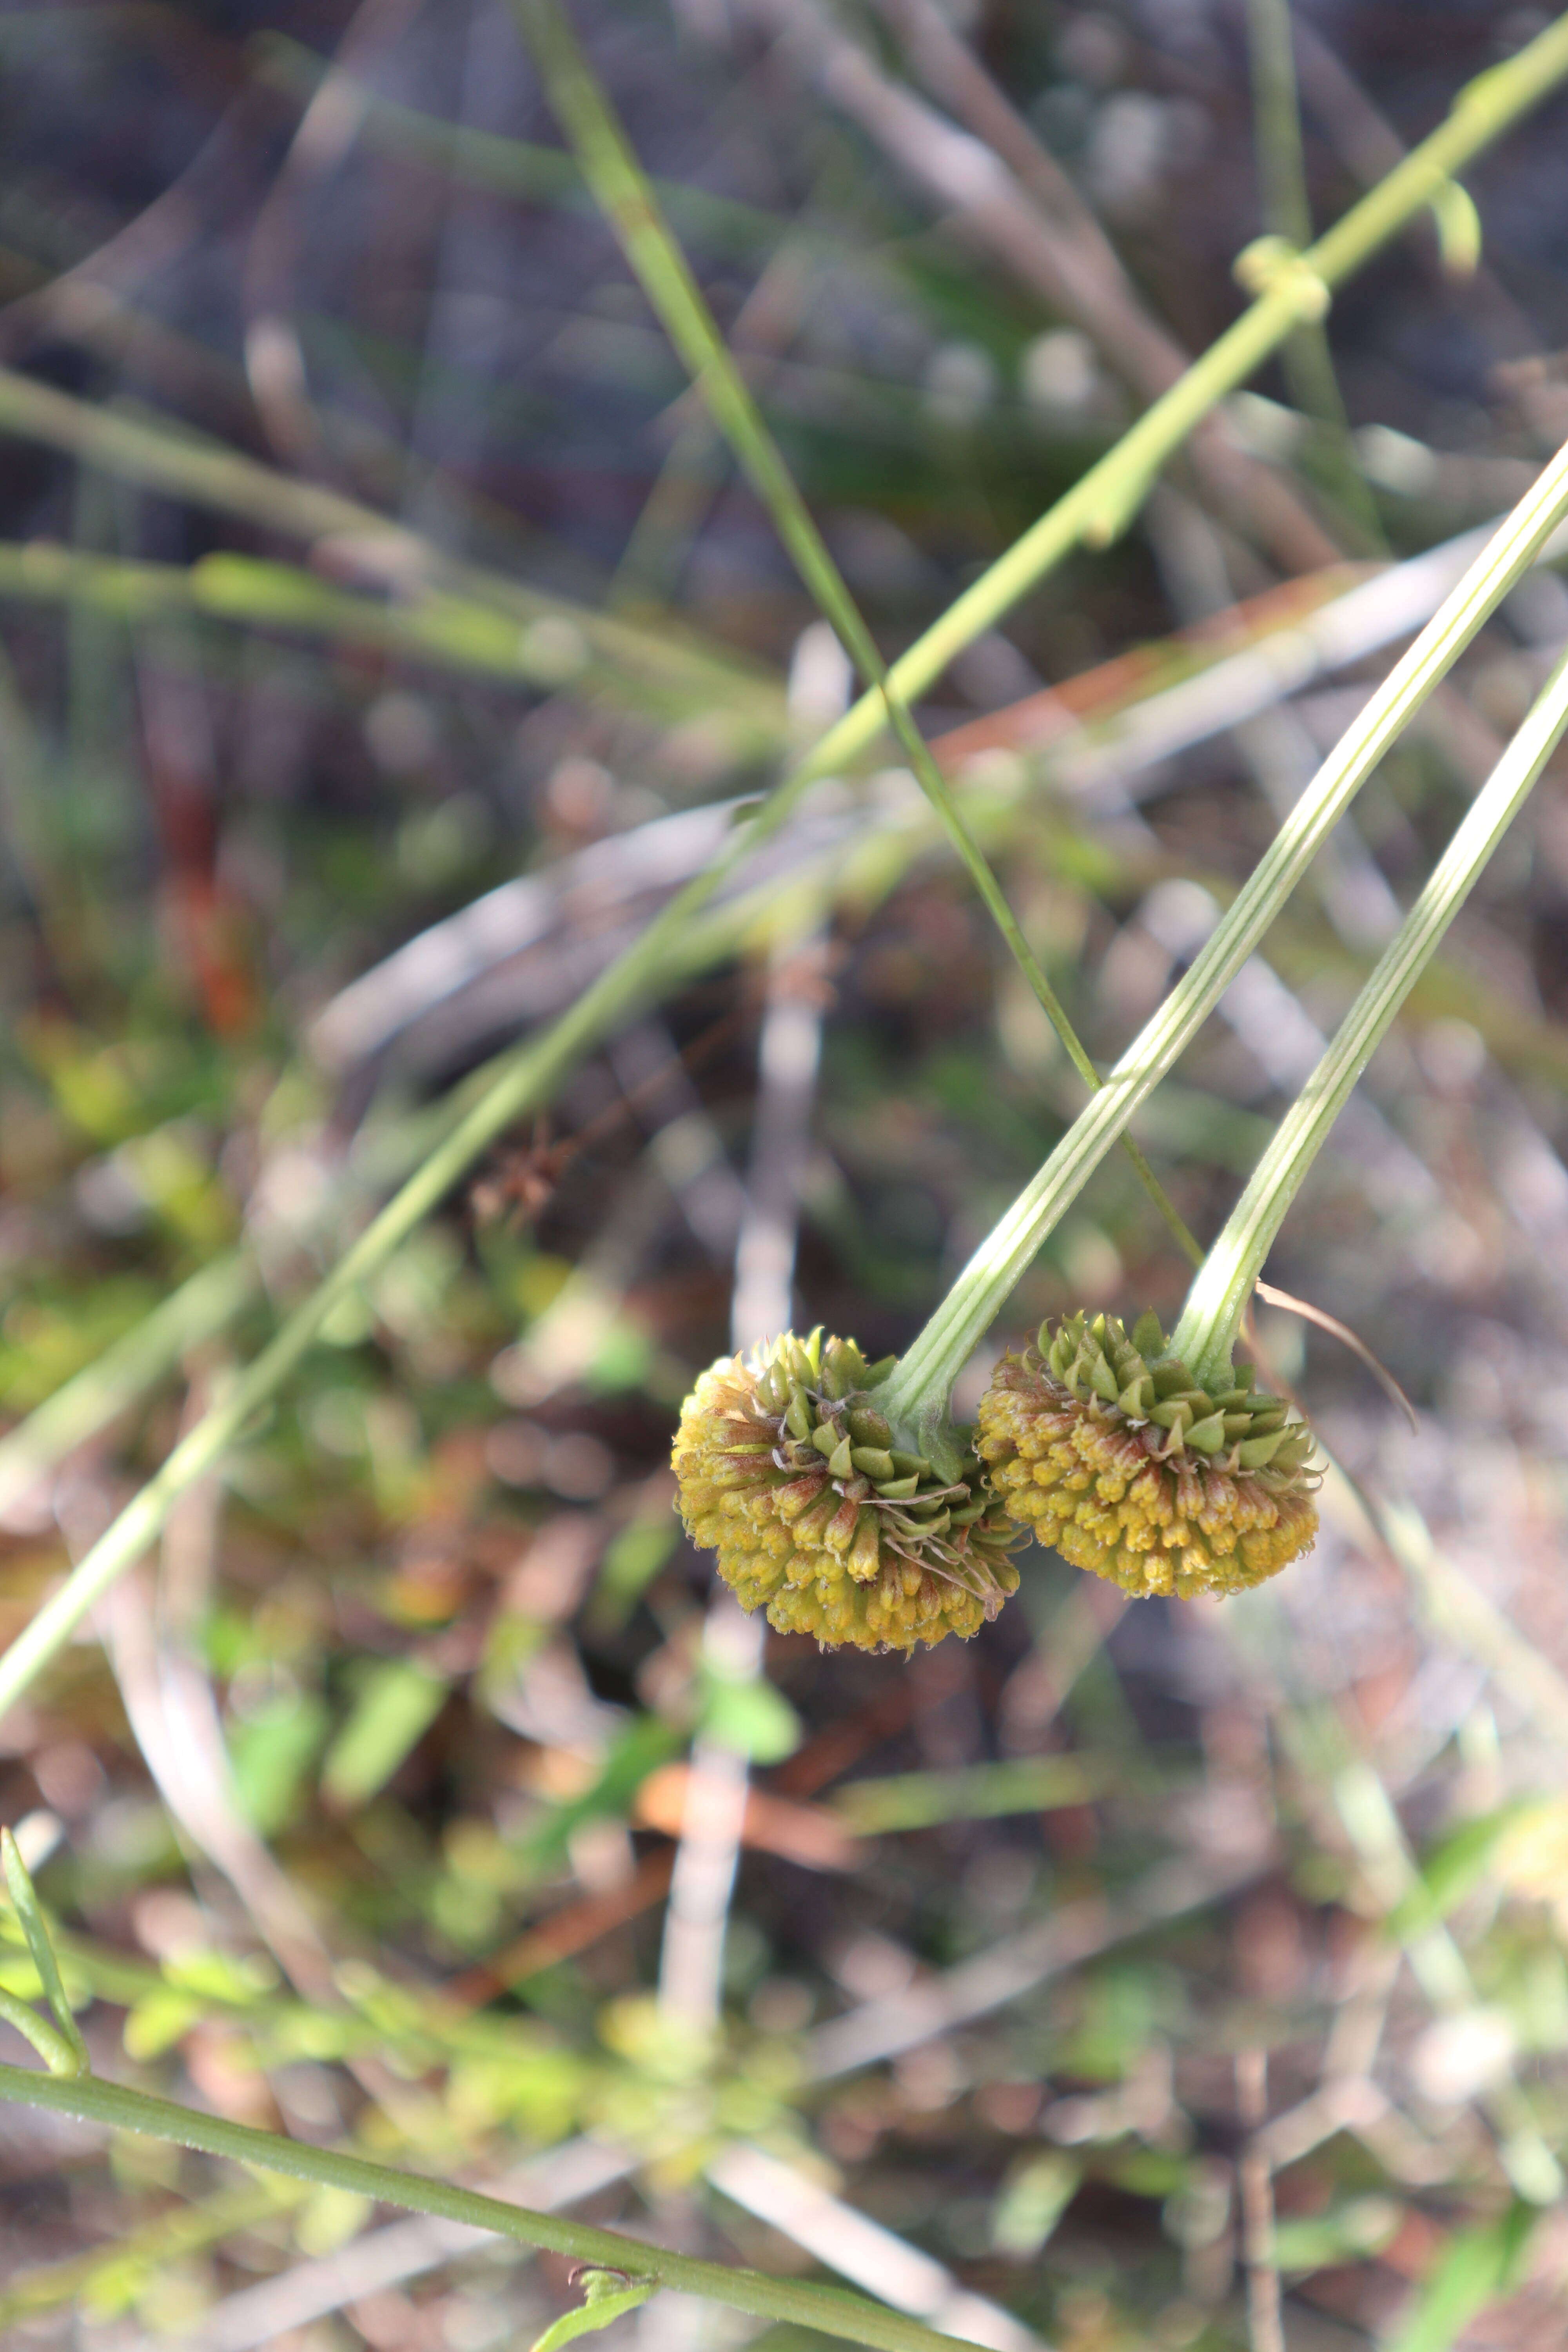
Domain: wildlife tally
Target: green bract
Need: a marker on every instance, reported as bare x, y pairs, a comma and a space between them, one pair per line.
1104, 1445
788, 1470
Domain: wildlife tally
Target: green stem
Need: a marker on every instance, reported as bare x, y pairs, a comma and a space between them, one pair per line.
1286, 208
1100, 504
439, 630
203, 1306
1206, 1334
830, 2310
58, 2054
1277, 123
553, 633
627, 197
916, 1395
502, 166
1101, 501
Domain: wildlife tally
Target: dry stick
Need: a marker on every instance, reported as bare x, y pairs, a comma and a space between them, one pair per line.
1097, 506
274, 362
858, 2248
1091, 287
713, 1812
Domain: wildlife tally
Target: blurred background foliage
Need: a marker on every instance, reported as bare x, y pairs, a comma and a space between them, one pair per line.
1160, 1975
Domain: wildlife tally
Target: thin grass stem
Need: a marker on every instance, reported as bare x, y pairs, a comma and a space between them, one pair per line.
626, 197
1285, 207
197, 1311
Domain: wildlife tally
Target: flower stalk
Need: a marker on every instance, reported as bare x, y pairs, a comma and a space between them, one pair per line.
916, 1395
1098, 504
1206, 1335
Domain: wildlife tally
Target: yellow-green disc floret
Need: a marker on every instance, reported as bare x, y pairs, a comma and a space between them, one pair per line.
1103, 1446
787, 1470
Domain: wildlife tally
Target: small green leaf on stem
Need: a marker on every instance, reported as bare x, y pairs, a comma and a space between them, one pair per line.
59, 2055
71, 2057
1458, 227
607, 2296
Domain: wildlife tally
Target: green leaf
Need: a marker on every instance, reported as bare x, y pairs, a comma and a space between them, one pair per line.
1455, 1863
632, 1559
750, 1716
640, 1749
607, 2296
58, 2054
72, 2058
399, 1701
916, 1800
1477, 2266
1032, 2202
157, 2020
1349, 2232
271, 1752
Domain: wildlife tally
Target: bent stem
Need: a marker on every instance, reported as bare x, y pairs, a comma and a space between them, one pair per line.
1098, 504
915, 1399
831, 2310
1206, 1335
626, 195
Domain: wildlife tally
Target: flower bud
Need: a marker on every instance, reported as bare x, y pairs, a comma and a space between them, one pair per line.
1106, 1447
787, 1470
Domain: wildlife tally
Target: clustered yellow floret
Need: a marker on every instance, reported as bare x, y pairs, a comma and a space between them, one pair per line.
1106, 1447
787, 1470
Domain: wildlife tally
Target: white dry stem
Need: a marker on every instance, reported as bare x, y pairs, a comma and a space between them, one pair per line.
892, 2023
691, 1961
801, 2209
540, 920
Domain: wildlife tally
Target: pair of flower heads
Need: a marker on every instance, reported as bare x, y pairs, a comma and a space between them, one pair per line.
1095, 1439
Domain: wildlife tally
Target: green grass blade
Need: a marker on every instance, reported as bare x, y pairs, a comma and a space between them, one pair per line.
567, 637
71, 2057
1477, 2266
203, 1306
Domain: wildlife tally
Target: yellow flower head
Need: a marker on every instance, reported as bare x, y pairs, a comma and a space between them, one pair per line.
788, 1471
1102, 1445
